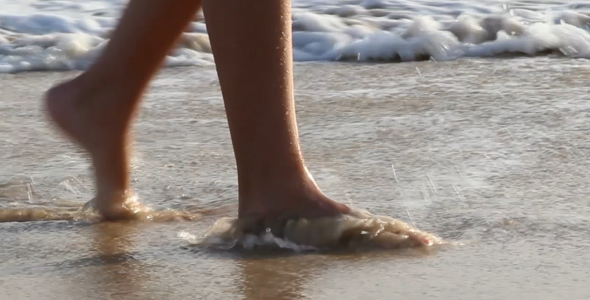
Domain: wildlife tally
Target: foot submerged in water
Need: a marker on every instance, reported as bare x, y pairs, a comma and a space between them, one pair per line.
130, 208
354, 230
85, 115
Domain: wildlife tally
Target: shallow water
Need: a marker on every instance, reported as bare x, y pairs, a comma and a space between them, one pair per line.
492, 153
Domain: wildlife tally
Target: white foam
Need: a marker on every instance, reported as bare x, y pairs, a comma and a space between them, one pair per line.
356, 230
67, 34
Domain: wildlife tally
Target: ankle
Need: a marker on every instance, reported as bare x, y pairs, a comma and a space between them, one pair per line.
256, 186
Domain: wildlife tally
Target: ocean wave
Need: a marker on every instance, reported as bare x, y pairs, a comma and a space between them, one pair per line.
363, 31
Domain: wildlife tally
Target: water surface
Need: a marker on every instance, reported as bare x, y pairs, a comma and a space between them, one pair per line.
489, 152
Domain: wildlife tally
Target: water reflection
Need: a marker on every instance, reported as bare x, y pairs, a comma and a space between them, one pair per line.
113, 270
277, 277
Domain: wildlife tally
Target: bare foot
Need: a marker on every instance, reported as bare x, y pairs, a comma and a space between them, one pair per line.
289, 199
86, 115
123, 206
89, 116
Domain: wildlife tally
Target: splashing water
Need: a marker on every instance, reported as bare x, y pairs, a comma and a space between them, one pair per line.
357, 230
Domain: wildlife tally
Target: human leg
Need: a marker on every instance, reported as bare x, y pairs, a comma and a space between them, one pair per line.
96, 108
252, 45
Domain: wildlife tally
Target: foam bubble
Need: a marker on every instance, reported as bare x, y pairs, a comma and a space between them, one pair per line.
47, 24
538, 38
345, 10
359, 229
64, 35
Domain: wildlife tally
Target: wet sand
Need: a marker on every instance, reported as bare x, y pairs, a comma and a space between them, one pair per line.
492, 153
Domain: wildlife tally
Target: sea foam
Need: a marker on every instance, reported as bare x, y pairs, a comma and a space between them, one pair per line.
67, 35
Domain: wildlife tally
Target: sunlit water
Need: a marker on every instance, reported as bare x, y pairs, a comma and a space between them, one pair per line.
489, 154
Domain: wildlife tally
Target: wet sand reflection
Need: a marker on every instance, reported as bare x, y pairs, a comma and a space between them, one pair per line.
276, 277
113, 271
